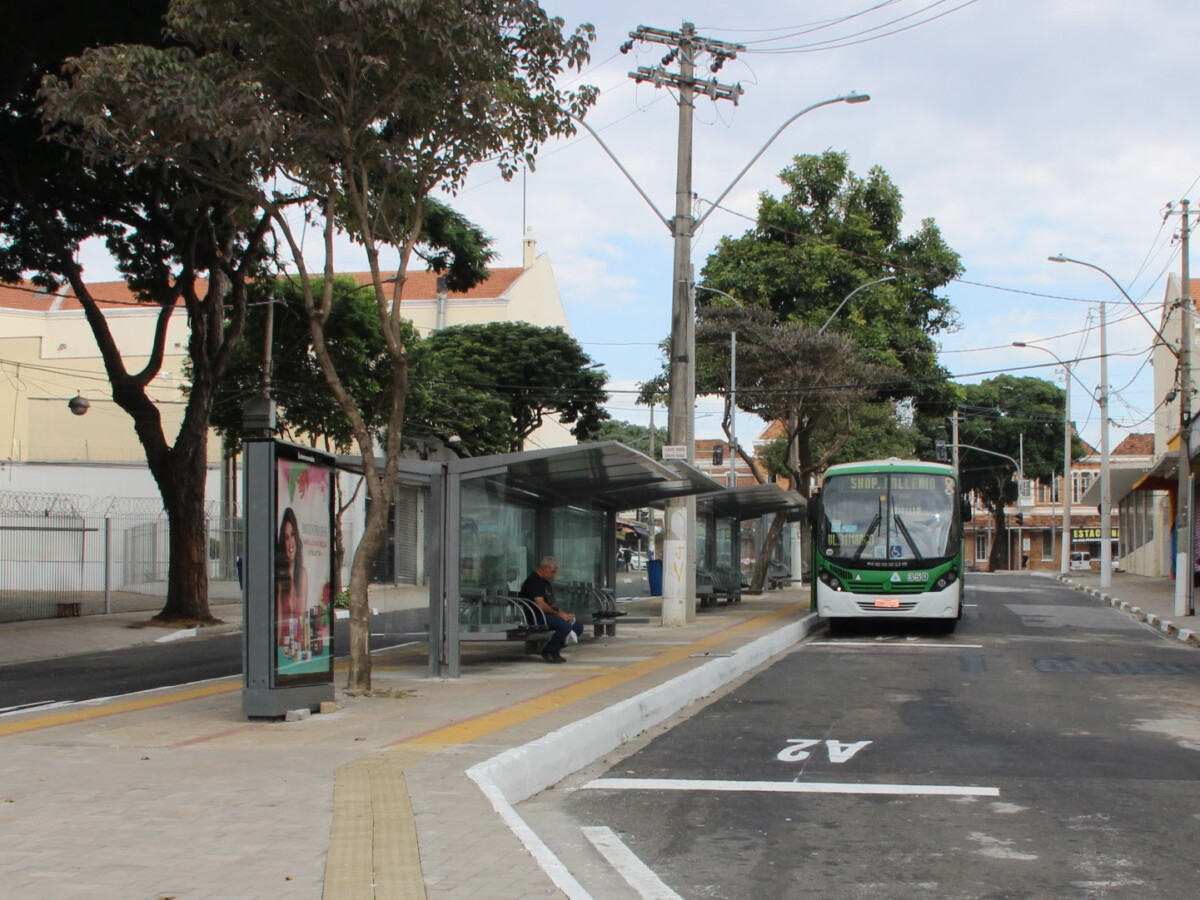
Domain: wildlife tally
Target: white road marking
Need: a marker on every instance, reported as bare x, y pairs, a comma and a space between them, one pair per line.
920, 644
789, 787
636, 873
34, 707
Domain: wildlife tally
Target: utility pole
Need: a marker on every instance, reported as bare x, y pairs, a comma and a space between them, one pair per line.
733, 409
954, 437
650, 509
1068, 482
679, 552
1184, 550
1105, 472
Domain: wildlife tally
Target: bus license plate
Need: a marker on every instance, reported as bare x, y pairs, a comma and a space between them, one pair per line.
887, 602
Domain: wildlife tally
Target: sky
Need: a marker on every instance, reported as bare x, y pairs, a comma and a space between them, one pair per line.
1024, 128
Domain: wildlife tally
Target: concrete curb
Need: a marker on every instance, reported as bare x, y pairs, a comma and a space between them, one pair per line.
1155, 621
521, 772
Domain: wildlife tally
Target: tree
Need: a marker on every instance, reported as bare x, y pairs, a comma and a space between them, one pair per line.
362, 108
539, 371
1020, 418
177, 242
831, 233
809, 382
307, 411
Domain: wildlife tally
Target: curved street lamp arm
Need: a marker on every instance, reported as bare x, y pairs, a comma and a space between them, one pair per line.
1016, 465
1060, 258
846, 299
1066, 365
705, 287
624, 171
845, 98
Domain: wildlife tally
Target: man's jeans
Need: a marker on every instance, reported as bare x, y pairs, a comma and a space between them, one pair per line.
561, 629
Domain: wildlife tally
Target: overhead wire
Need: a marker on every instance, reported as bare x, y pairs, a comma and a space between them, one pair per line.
874, 33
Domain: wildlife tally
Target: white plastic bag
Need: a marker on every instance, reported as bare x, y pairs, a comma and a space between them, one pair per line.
572, 637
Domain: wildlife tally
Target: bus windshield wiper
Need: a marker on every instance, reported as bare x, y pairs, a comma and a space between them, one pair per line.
867, 537
908, 537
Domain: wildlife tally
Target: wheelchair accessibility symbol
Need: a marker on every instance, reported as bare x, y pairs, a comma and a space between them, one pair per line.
897, 551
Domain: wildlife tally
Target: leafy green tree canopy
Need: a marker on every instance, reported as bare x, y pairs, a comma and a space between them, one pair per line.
352, 111
538, 370
1020, 418
831, 232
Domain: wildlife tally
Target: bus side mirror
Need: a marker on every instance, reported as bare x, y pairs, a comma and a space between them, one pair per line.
965, 509
814, 510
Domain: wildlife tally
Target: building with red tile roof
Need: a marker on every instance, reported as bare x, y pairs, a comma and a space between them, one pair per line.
48, 356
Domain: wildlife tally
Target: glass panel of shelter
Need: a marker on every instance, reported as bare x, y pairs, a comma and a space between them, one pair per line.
499, 547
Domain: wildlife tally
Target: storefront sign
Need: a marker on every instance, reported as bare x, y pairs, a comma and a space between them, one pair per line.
1092, 533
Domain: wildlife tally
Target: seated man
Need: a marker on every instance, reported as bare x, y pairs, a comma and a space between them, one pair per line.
537, 587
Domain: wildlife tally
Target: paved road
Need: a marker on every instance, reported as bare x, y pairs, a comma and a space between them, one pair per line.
1048, 749
145, 667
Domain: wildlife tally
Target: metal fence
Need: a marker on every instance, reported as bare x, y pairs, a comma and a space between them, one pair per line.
64, 554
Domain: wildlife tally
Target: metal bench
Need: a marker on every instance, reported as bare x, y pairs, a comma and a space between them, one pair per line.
487, 616
778, 576
606, 613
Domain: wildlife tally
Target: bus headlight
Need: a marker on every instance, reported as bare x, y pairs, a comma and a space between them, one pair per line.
830, 581
946, 580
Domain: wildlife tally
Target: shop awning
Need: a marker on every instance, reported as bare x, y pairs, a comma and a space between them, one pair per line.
1121, 482
1163, 475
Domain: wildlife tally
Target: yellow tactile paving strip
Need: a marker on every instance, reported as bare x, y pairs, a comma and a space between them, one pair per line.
121, 706
373, 848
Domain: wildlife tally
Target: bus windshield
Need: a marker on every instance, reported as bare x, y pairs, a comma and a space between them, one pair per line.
888, 519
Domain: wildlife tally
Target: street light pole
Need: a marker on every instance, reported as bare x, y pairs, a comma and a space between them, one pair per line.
679, 563
1183, 549
1105, 471
1064, 562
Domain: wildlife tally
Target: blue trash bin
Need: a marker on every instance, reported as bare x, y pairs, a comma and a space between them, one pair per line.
654, 570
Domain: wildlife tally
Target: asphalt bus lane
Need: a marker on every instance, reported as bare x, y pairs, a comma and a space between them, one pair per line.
1037, 752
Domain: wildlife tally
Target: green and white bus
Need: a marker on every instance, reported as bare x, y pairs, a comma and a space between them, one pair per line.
888, 543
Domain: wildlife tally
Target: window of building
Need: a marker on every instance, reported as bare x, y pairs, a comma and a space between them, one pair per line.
1080, 481
1048, 544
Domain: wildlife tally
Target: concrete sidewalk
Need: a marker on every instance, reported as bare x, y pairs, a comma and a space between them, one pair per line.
407, 793
1152, 600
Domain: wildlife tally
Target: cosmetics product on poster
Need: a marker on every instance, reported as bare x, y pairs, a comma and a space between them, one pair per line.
303, 627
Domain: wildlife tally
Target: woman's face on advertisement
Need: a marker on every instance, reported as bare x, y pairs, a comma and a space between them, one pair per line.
289, 540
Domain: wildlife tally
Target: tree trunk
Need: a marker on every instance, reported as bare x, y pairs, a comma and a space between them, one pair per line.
995, 560
374, 532
182, 483
768, 549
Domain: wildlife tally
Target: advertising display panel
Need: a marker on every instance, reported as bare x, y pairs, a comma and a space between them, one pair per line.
302, 620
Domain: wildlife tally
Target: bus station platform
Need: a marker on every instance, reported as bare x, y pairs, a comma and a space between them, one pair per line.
409, 792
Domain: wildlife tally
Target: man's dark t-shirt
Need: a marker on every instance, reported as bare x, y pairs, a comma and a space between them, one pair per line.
537, 586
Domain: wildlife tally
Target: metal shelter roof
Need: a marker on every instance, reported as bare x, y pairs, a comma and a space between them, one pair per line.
754, 500
607, 475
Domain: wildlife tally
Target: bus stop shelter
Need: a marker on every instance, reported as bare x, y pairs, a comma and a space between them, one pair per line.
719, 515
500, 515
